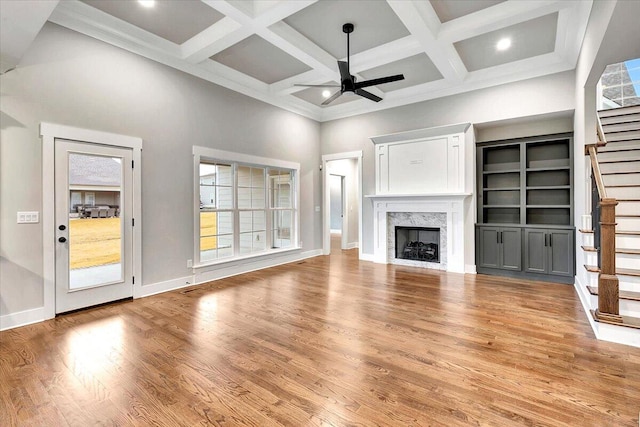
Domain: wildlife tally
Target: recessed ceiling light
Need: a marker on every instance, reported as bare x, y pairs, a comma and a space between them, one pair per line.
326, 93
147, 3
503, 44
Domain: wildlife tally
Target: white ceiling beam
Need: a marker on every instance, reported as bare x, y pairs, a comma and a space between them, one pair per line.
386, 53
238, 25
295, 44
85, 19
496, 17
216, 38
575, 30
418, 17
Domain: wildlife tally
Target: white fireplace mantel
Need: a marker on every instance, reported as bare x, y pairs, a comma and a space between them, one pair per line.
451, 204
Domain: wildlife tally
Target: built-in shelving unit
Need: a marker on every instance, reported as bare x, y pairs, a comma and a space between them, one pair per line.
525, 183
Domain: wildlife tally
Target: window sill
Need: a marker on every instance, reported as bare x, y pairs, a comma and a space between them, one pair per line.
256, 256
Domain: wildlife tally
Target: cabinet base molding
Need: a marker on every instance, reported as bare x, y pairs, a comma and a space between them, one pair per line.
568, 280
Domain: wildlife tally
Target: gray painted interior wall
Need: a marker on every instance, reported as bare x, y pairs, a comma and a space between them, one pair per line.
541, 96
67, 78
335, 201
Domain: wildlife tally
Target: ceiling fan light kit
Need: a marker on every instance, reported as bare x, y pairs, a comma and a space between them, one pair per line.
348, 82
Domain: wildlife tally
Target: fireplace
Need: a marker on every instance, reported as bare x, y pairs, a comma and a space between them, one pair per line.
418, 243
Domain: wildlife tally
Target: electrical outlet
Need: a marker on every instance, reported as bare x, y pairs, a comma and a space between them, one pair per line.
189, 263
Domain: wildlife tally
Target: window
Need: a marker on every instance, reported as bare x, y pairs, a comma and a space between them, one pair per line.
246, 205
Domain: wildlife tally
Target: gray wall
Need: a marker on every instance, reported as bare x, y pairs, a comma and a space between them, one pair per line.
335, 200
540, 96
67, 78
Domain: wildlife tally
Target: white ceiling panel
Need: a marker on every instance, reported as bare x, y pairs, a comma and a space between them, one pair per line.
262, 48
176, 21
259, 59
374, 21
416, 69
528, 39
449, 10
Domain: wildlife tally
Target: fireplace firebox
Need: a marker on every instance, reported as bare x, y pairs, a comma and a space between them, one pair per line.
418, 243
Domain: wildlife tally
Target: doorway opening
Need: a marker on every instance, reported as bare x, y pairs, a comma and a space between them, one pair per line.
342, 195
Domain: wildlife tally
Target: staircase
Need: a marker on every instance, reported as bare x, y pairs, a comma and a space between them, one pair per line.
619, 162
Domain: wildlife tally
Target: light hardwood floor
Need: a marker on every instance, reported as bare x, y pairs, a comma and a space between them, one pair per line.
330, 341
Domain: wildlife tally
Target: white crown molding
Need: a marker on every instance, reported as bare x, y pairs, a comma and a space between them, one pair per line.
427, 35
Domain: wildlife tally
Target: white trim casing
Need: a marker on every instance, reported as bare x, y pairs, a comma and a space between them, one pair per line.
49, 133
228, 156
326, 217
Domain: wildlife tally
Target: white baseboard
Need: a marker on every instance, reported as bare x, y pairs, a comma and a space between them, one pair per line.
22, 318
352, 245
470, 269
367, 257
167, 285
247, 266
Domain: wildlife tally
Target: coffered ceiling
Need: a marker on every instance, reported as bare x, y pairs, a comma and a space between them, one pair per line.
262, 48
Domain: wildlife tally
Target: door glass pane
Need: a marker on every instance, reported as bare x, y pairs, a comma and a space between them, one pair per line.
95, 227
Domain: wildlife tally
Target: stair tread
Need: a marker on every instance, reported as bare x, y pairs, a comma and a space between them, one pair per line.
601, 161
621, 232
628, 232
622, 185
618, 250
619, 173
628, 321
629, 295
621, 271
627, 216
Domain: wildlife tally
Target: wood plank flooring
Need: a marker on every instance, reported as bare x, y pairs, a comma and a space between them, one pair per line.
329, 341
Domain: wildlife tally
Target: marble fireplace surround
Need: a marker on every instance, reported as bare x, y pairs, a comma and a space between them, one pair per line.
417, 219
443, 210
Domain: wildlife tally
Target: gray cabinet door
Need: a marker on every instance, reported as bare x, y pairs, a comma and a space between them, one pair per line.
560, 252
489, 255
535, 250
511, 248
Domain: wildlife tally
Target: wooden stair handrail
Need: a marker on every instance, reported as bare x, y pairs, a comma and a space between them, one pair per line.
602, 140
597, 175
608, 284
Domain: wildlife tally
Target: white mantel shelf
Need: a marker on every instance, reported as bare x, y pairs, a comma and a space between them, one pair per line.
418, 196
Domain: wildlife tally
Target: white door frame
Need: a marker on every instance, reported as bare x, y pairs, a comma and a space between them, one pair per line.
49, 133
326, 201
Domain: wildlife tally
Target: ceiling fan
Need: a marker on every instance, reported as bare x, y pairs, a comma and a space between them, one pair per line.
348, 82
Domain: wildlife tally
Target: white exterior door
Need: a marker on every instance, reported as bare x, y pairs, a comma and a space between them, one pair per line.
93, 253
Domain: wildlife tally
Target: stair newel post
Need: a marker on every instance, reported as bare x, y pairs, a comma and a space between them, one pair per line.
608, 287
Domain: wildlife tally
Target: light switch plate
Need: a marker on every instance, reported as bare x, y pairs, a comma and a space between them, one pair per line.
28, 217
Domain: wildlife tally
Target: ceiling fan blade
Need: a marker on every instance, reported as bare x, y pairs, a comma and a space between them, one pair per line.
381, 80
332, 98
344, 70
368, 95
329, 85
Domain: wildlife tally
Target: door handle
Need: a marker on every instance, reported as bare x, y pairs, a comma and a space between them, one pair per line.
62, 239
550, 240
62, 227
546, 241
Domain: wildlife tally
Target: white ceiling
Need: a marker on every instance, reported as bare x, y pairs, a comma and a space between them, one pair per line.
261, 48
